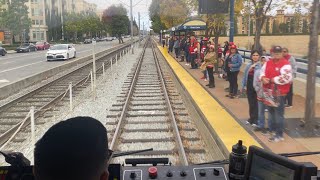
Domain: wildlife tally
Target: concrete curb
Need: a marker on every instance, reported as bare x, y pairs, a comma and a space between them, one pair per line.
33, 79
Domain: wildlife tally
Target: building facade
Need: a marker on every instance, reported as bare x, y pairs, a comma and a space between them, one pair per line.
44, 13
274, 23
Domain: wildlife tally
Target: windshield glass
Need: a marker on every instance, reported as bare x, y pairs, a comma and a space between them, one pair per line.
39, 43
24, 45
59, 47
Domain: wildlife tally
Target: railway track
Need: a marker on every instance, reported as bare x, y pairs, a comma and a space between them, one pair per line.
150, 113
45, 98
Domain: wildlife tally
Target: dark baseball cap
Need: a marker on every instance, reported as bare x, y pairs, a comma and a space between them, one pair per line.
277, 49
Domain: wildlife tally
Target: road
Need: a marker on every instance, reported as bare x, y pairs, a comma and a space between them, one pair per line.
17, 66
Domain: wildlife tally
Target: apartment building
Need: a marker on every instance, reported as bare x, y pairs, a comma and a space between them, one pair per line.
40, 9
280, 18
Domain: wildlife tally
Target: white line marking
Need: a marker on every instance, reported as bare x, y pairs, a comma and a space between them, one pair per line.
20, 67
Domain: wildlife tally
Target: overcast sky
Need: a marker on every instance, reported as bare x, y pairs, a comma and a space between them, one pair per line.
141, 6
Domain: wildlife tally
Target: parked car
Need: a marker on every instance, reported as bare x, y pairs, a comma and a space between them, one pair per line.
109, 39
42, 45
61, 52
87, 41
3, 51
26, 47
114, 38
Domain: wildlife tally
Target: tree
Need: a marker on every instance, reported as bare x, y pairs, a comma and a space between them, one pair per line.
292, 26
275, 28
251, 26
117, 19
261, 7
173, 12
305, 26
312, 65
154, 14
235, 25
283, 28
76, 24
215, 27
15, 17
268, 27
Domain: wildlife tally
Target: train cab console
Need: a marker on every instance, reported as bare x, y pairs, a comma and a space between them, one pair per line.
260, 164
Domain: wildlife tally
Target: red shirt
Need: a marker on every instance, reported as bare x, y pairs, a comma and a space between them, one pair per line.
280, 72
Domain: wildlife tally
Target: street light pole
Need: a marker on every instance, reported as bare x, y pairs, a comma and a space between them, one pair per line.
231, 20
131, 24
249, 25
139, 27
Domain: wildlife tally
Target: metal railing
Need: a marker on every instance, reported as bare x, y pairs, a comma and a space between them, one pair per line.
247, 53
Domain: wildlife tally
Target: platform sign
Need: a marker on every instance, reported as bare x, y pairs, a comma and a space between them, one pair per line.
213, 6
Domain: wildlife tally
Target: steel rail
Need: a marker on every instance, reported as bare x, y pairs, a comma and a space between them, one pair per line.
5, 136
128, 96
182, 153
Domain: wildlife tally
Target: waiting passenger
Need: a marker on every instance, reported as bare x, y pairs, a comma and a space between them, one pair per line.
233, 64
209, 61
276, 76
257, 84
294, 66
75, 149
247, 85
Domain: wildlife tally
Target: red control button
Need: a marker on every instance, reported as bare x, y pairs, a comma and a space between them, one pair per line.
153, 172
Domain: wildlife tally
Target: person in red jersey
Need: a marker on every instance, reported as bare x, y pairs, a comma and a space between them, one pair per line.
276, 76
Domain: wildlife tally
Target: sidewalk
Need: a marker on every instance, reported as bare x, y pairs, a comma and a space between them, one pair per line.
295, 140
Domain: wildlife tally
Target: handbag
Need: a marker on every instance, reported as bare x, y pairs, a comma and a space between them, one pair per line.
271, 95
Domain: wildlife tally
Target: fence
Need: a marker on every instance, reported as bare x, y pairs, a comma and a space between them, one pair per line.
246, 55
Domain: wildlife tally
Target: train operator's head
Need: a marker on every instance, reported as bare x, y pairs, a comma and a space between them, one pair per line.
75, 149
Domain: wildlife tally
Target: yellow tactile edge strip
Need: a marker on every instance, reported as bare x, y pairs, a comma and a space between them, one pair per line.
225, 126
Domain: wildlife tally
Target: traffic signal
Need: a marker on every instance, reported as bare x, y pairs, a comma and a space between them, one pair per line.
213, 6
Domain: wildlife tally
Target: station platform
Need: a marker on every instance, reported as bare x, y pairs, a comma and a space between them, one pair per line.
227, 116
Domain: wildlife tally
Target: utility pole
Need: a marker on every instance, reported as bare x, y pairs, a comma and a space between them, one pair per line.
231, 20
61, 14
249, 25
139, 27
309, 116
131, 24
39, 33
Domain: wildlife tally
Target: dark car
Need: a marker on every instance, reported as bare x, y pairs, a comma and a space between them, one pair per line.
26, 47
3, 51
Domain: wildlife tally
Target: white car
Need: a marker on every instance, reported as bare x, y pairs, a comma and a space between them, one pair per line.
61, 52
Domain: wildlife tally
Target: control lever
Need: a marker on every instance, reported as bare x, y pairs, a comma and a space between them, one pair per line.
16, 159
118, 154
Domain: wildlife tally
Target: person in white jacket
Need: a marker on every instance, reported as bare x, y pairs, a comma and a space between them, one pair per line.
257, 84
294, 66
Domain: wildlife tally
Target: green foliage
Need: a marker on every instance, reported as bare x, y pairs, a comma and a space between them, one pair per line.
305, 27
154, 14
251, 26
75, 25
292, 26
117, 20
173, 12
283, 28
15, 16
268, 27
275, 28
